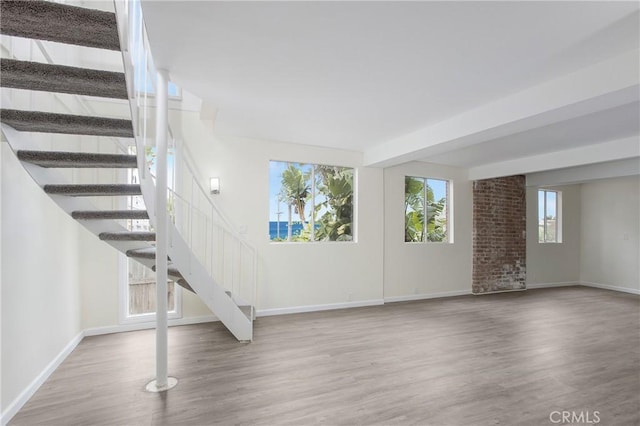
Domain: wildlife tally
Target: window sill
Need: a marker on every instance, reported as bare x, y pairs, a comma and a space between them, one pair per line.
310, 243
146, 318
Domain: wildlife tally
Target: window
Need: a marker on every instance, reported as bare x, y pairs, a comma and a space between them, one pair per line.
141, 291
173, 91
549, 223
138, 282
310, 202
426, 210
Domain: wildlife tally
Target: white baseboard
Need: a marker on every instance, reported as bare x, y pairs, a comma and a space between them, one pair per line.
410, 297
27, 393
585, 284
611, 287
97, 331
551, 285
315, 308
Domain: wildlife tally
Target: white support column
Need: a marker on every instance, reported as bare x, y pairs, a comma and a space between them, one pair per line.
162, 381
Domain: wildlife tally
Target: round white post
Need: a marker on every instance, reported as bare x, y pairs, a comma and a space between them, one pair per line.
162, 381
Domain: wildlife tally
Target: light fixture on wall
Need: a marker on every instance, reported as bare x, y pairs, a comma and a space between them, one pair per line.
215, 185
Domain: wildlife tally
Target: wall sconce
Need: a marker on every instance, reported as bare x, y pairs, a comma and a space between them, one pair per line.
215, 185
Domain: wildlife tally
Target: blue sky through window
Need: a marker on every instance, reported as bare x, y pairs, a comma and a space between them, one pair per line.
439, 188
275, 188
551, 204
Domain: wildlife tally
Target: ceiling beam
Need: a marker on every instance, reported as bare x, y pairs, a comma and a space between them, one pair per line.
586, 173
601, 86
607, 151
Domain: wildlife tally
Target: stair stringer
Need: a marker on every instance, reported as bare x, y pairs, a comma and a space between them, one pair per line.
212, 293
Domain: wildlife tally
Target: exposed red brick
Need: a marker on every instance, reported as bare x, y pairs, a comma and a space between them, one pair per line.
499, 234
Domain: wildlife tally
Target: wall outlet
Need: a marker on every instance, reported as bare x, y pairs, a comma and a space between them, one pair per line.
625, 236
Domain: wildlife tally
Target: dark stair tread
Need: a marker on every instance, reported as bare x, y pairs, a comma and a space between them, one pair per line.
110, 214
93, 190
62, 79
172, 271
60, 23
144, 253
60, 159
46, 122
127, 236
183, 283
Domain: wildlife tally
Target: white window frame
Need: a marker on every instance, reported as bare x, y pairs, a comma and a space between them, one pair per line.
449, 209
354, 213
123, 286
558, 239
123, 298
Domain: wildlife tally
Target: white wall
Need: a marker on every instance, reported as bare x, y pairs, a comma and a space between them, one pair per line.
40, 282
609, 249
414, 270
303, 274
554, 263
293, 275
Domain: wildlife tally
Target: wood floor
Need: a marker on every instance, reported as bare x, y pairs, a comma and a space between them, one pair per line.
505, 359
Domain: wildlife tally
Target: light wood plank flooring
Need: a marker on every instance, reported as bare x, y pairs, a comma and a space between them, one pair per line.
505, 359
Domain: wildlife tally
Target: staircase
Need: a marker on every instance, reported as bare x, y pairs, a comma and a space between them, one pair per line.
60, 23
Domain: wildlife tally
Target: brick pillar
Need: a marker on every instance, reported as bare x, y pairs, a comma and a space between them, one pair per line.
499, 234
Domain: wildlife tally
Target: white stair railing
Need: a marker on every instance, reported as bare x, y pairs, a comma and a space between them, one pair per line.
228, 258
217, 253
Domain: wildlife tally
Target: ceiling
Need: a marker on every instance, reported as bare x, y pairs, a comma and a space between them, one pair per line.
384, 77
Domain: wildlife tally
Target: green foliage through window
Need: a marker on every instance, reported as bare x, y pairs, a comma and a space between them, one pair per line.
310, 202
425, 209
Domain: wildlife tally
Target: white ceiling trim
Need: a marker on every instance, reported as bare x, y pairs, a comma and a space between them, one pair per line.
601, 86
